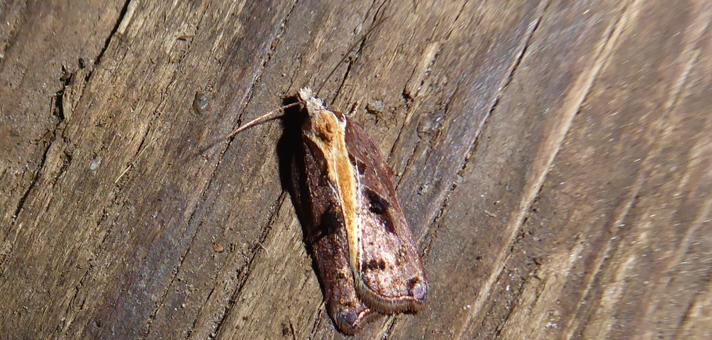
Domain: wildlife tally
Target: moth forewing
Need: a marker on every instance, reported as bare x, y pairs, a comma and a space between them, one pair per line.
390, 276
387, 271
327, 241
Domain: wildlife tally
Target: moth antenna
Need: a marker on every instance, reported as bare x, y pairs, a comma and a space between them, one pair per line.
274, 114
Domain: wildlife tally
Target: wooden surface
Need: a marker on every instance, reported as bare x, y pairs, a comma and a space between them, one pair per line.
553, 159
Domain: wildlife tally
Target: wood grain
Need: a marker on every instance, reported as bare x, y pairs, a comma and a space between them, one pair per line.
552, 159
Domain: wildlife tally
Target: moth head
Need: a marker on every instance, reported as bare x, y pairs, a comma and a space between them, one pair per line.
321, 122
311, 103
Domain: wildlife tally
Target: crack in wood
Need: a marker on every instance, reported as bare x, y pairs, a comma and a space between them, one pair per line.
316, 324
694, 309
361, 44
473, 147
122, 17
602, 262
60, 107
125, 15
58, 112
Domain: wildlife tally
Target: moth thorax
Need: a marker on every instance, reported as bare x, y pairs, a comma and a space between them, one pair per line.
324, 125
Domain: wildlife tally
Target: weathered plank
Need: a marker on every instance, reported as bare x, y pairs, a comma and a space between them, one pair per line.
547, 256
484, 213
37, 42
583, 239
106, 252
552, 161
436, 151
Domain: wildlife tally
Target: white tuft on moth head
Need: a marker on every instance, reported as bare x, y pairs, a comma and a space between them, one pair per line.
313, 104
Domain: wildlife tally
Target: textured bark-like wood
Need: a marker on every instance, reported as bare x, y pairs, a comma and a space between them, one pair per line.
552, 157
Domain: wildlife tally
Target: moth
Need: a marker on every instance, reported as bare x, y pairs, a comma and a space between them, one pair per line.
354, 226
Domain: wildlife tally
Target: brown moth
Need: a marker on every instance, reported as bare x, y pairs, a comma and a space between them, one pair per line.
360, 240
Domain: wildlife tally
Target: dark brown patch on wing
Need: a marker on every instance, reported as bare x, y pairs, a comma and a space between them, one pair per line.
377, 204
380, 207
376, 265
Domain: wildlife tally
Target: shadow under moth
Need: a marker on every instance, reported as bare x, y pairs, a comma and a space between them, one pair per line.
354, 227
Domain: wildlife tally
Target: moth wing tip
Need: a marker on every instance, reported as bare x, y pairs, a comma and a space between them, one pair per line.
420, 292
350, 320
